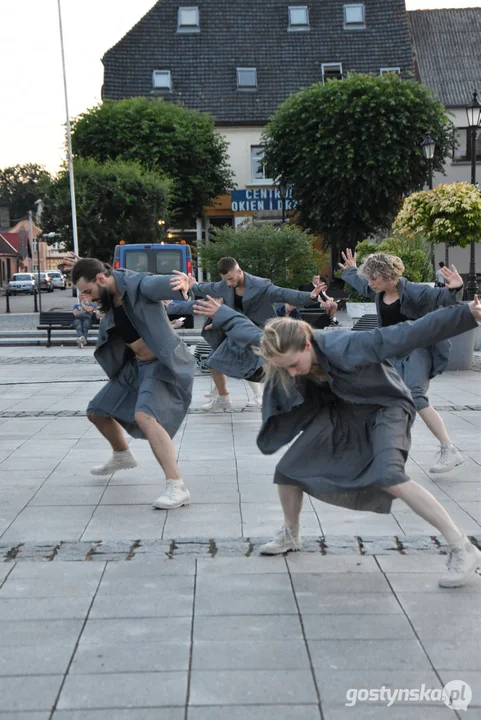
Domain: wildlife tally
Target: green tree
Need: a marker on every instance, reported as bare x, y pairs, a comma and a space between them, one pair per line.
21, 186
115, 201
285, 255
164, 137
351, 151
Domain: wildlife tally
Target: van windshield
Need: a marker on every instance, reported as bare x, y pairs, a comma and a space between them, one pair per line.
159, 262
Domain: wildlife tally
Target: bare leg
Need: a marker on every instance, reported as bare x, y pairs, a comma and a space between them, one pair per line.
435, 423
111, 430
426, 506
220, 381
291, 498
161, 444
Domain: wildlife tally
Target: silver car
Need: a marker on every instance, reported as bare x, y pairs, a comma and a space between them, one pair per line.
22, 283
58, 280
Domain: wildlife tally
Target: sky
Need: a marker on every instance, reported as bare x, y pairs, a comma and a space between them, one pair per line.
32, 110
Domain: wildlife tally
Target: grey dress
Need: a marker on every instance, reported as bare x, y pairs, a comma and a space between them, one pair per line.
416, 300
350, 435
162, 387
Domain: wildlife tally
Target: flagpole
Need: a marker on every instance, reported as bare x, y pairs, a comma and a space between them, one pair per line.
69, 140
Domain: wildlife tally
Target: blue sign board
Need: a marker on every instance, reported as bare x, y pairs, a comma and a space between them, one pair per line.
256, 199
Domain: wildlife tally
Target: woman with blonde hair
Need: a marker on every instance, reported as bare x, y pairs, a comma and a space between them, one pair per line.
348, 416
397, 300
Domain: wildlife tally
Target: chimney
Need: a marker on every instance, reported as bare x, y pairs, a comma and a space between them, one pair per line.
4, 218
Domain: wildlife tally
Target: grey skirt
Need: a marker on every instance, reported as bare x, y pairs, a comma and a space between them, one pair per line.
348, 453
143, 387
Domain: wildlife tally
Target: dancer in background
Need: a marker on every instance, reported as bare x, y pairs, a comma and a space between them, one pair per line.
254, 297
398, 300
151, 371
348, 416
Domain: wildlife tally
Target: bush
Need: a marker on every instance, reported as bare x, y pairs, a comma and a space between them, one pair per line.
285, 255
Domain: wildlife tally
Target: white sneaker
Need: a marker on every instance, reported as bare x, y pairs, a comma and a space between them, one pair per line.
79, 342
83, 340
463, 559
286, 539
123, 460
213, 392
447, 459
256, 402
219, 403
175, 495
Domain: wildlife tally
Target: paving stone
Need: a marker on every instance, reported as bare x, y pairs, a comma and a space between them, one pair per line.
125, 521
48, 608
446, 654
175, 603
29, 692
43, 588
417, 563
124, 690
50, 658
350, 583
135, 714
352, 627
131, 657
450, 601
405, 582
154, 630
237, 595
252, 687
140, 567
241, 566
38, 523
249, 712
34, 632
370, 712
311, 603
243, 654
441, 626
368, 654
57, 571
247, 627
471, 677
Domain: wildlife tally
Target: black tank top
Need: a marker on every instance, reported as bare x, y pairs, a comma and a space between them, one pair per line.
123, 326
391, 314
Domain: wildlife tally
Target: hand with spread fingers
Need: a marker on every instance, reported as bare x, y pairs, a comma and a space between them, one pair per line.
69, 260
453, 279
349, 260
322, 287
475, 308
207, 307
180, 282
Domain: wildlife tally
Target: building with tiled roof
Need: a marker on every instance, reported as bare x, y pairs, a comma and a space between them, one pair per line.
9, 259
240, 61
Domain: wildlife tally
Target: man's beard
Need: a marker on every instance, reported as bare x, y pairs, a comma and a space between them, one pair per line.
105, 300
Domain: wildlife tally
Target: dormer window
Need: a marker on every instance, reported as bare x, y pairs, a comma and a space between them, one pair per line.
246, 78
331, 71
384, 71
298, 17
188, 19
162, 80
354, 17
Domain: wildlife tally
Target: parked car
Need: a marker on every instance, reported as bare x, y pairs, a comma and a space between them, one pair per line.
45, 282
57, 279
22, 283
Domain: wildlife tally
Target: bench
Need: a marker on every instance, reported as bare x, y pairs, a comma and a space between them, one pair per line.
56, 320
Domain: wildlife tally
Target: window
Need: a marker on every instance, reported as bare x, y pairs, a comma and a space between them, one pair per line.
354, 17
258, 171
161, 80
298, 17
247, 78
396, 70
462, 145
188, 19
331, 71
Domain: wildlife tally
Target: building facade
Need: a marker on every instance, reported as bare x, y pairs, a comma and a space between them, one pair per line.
240, 62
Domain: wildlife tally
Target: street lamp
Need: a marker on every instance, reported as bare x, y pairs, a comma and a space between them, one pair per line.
282, 187
473, 114
429, 146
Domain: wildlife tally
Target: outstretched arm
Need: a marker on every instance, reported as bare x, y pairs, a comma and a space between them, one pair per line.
293, 297
433, 298
354, 349
351, 277
236, 326
163, 287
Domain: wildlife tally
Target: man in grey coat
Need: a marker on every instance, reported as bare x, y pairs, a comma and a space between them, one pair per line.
150, 370
254, 297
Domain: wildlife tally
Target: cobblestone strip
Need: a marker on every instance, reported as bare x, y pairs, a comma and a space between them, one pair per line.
191, 411
132, 550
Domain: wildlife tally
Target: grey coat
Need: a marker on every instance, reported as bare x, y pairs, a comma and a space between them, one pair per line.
417, 300
258, 301
141, 298
357, 372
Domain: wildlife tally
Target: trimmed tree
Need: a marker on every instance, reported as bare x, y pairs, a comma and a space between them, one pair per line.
285, 255
115, 201
351, 151
21, 186
164, 138
449, 214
